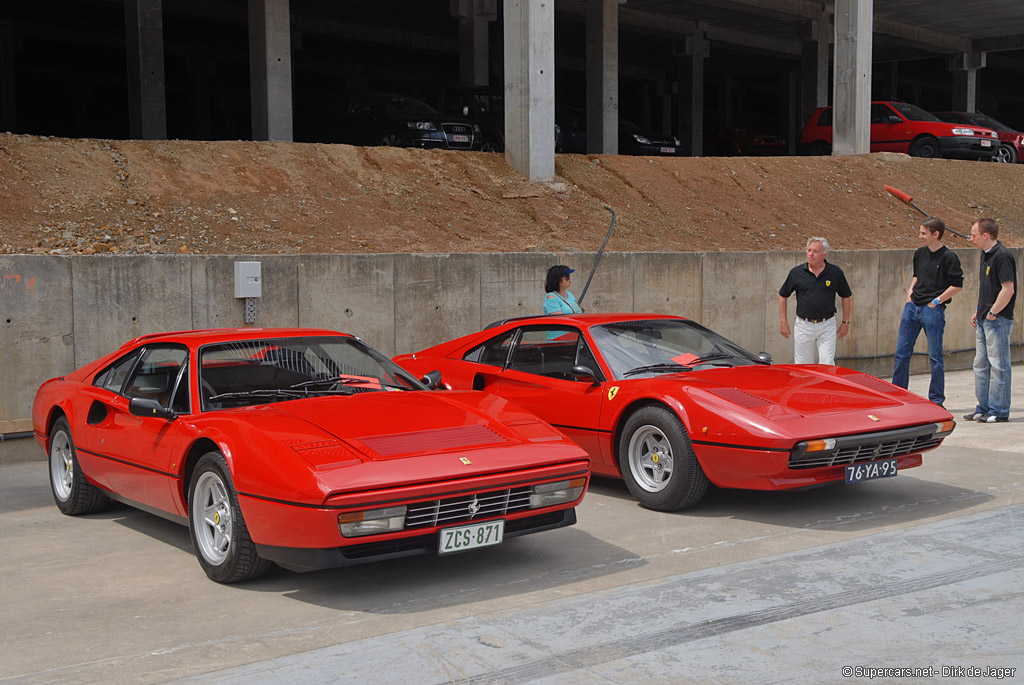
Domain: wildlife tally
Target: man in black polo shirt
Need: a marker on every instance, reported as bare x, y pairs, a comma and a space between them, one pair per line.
937, 277
993, 322
816, 285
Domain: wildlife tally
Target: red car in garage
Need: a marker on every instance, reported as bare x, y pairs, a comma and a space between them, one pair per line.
902, 127
1011, 142
670, 406
302, 447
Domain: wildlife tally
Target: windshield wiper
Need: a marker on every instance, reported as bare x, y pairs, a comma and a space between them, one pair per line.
263, 392
709, 358
657, 368
328, 381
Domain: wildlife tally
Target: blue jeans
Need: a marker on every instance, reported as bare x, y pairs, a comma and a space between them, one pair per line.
933, 321
992, 366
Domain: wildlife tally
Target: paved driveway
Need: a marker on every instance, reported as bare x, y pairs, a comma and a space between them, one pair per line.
922, 571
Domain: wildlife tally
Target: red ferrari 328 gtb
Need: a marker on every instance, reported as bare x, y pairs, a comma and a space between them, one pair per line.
668, 405
302, 447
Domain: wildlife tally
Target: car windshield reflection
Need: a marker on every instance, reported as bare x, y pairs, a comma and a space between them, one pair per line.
643, 349
249, 372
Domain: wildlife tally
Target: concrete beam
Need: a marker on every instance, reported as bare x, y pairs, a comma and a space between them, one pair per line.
530, 88
999, 44
852, 78
270, 69
603, 77
920, 34
144, 47
768, 8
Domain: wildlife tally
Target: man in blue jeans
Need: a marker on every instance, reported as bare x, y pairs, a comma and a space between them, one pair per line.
937, 277
993, 322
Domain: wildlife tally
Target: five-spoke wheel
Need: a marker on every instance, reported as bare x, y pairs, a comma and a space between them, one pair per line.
72, 493
657, 460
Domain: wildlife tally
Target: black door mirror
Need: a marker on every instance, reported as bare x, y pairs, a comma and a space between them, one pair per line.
432, 380
893, 119
144, 406
585, 373
765, 358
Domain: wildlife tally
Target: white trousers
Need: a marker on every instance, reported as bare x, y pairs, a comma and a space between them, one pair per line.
808, 337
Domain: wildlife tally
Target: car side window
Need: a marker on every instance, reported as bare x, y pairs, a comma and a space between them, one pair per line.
156, 376
546, 351
112, 377
880, 113
494, 352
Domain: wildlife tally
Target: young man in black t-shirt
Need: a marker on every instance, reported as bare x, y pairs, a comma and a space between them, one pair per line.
993, 322
937, 277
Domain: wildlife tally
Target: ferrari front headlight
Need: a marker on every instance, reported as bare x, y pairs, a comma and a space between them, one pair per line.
558, 492
372, 522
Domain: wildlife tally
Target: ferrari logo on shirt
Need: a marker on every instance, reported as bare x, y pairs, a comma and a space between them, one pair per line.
612, 392
987, 269
828, 283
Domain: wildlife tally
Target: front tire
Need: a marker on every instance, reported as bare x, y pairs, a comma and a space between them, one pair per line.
72, 493
657, 461
1006, 154
219, 535
927, 147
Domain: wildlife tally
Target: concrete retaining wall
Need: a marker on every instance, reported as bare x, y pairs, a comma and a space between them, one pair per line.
57, 313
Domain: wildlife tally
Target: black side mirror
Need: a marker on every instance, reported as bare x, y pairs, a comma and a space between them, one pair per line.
893, 119
144, 406
765, 358
432, 380
585, 373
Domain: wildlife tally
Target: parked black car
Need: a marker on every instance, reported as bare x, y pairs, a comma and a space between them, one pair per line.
394, 119
633, 139
482, 105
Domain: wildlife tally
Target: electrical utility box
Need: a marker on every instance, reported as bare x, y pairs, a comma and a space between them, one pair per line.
248, 279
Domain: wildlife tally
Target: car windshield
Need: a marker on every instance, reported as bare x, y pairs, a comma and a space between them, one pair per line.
643, 349
247, 372
979, 119
382, 102
913, 112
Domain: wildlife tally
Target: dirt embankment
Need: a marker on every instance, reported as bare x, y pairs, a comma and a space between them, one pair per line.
85, 196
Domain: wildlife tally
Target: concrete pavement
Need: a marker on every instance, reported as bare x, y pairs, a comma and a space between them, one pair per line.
923, 570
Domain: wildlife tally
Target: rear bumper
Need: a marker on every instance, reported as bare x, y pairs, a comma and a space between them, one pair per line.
968, 147
309, 559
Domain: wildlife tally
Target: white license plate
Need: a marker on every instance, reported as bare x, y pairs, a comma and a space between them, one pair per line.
459, 138
668, 150
461, 538
986, 143
883, 468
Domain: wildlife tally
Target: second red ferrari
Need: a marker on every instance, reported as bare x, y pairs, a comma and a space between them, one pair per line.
670, 406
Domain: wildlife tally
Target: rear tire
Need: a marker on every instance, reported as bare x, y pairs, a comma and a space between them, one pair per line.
657, 461
219, 535
1006, 154
72, 493
926, 147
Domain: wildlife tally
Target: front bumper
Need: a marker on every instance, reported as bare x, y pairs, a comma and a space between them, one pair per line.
968, 147
307, 559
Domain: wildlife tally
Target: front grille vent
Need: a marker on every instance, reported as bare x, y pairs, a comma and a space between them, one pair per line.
855, 454
444, 512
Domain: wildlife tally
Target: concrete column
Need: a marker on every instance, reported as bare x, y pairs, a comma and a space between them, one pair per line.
814, 62
851, 129
144, 45
603, 76
965, 79
530, 87
270, 69
692, 52
474, 41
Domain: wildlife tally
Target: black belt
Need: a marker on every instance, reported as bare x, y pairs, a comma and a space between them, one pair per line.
818, 320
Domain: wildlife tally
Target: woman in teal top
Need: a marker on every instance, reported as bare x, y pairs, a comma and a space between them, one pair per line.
558, 299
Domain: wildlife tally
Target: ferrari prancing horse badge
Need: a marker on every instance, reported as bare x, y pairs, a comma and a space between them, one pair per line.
612, 391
